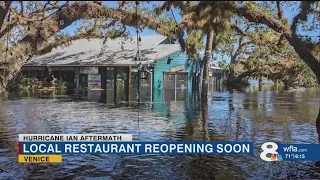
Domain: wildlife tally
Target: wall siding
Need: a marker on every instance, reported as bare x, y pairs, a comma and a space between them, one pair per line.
161, 66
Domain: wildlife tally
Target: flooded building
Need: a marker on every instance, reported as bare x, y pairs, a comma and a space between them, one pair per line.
217, 78
114, 67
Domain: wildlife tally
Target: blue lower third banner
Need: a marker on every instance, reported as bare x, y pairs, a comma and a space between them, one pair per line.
290, 152
300, 152
136, 147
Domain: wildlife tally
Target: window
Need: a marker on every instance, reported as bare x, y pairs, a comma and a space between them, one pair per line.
144, 75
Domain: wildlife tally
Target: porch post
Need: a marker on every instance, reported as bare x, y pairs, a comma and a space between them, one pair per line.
175, 87
129, 85
151, 85
139, 78
102, 72
115, 83
77, 74
76, 79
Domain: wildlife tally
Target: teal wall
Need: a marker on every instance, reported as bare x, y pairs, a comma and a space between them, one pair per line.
178, 59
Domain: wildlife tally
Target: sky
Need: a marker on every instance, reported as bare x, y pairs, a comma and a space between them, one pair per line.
289, 12
114, 4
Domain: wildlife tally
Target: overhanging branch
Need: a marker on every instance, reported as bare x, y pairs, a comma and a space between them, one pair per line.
305, 9
4, 9
280, 11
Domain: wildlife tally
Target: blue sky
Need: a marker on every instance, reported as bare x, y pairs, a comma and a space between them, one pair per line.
132, 30
289, 12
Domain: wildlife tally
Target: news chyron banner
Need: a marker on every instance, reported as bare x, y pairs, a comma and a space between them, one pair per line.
272, 151
49, 148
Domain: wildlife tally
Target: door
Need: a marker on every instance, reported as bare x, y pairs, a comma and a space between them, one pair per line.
175, 86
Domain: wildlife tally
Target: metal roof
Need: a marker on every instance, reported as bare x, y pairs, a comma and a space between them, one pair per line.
93, 52
215, 67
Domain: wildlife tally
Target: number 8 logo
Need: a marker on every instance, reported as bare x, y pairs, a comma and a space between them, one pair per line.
267, 150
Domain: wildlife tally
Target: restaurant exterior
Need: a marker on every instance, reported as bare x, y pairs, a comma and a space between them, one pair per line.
162, 71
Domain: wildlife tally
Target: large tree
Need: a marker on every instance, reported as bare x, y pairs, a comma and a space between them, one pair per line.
275, 20
35, 28
259, 26
198, 20
258, 55
212, 22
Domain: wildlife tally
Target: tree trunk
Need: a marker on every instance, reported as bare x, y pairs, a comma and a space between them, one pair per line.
318, 125
306, 55
231, 77
318, 130
207, 65
204, 93
204, 112
314, 64
260, 80
199, 76
4, 8
243, 75
20, 55
198, 82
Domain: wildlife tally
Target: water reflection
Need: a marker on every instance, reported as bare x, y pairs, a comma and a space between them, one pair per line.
246, 115
318, 125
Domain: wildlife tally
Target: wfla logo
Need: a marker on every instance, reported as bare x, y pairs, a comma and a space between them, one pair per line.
270, 148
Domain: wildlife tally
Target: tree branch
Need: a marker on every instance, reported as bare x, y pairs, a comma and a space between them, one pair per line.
167, 5
8, 28
280, 11
245, 74
78, 11
281, 40
4, 8
234, 57
54, 7
238, 29
252, 15
258, 17
240, 44
26, 19
305, 9
21, 8
28, 46
122, 4
305, 54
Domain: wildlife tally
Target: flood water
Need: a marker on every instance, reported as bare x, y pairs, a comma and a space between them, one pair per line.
257, 115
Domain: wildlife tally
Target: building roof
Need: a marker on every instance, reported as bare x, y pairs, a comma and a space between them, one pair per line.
215, 67
93, 52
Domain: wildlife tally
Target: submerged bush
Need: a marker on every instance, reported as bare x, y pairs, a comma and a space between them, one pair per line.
21, 82
29, 84
25, 83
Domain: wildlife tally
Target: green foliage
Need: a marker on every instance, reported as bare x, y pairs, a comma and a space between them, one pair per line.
258, 45
292, 72
305, 77
32, 6
194, 43
62, 84
223, 64
28, 84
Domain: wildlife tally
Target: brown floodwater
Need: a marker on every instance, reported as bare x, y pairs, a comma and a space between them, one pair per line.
257, 115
